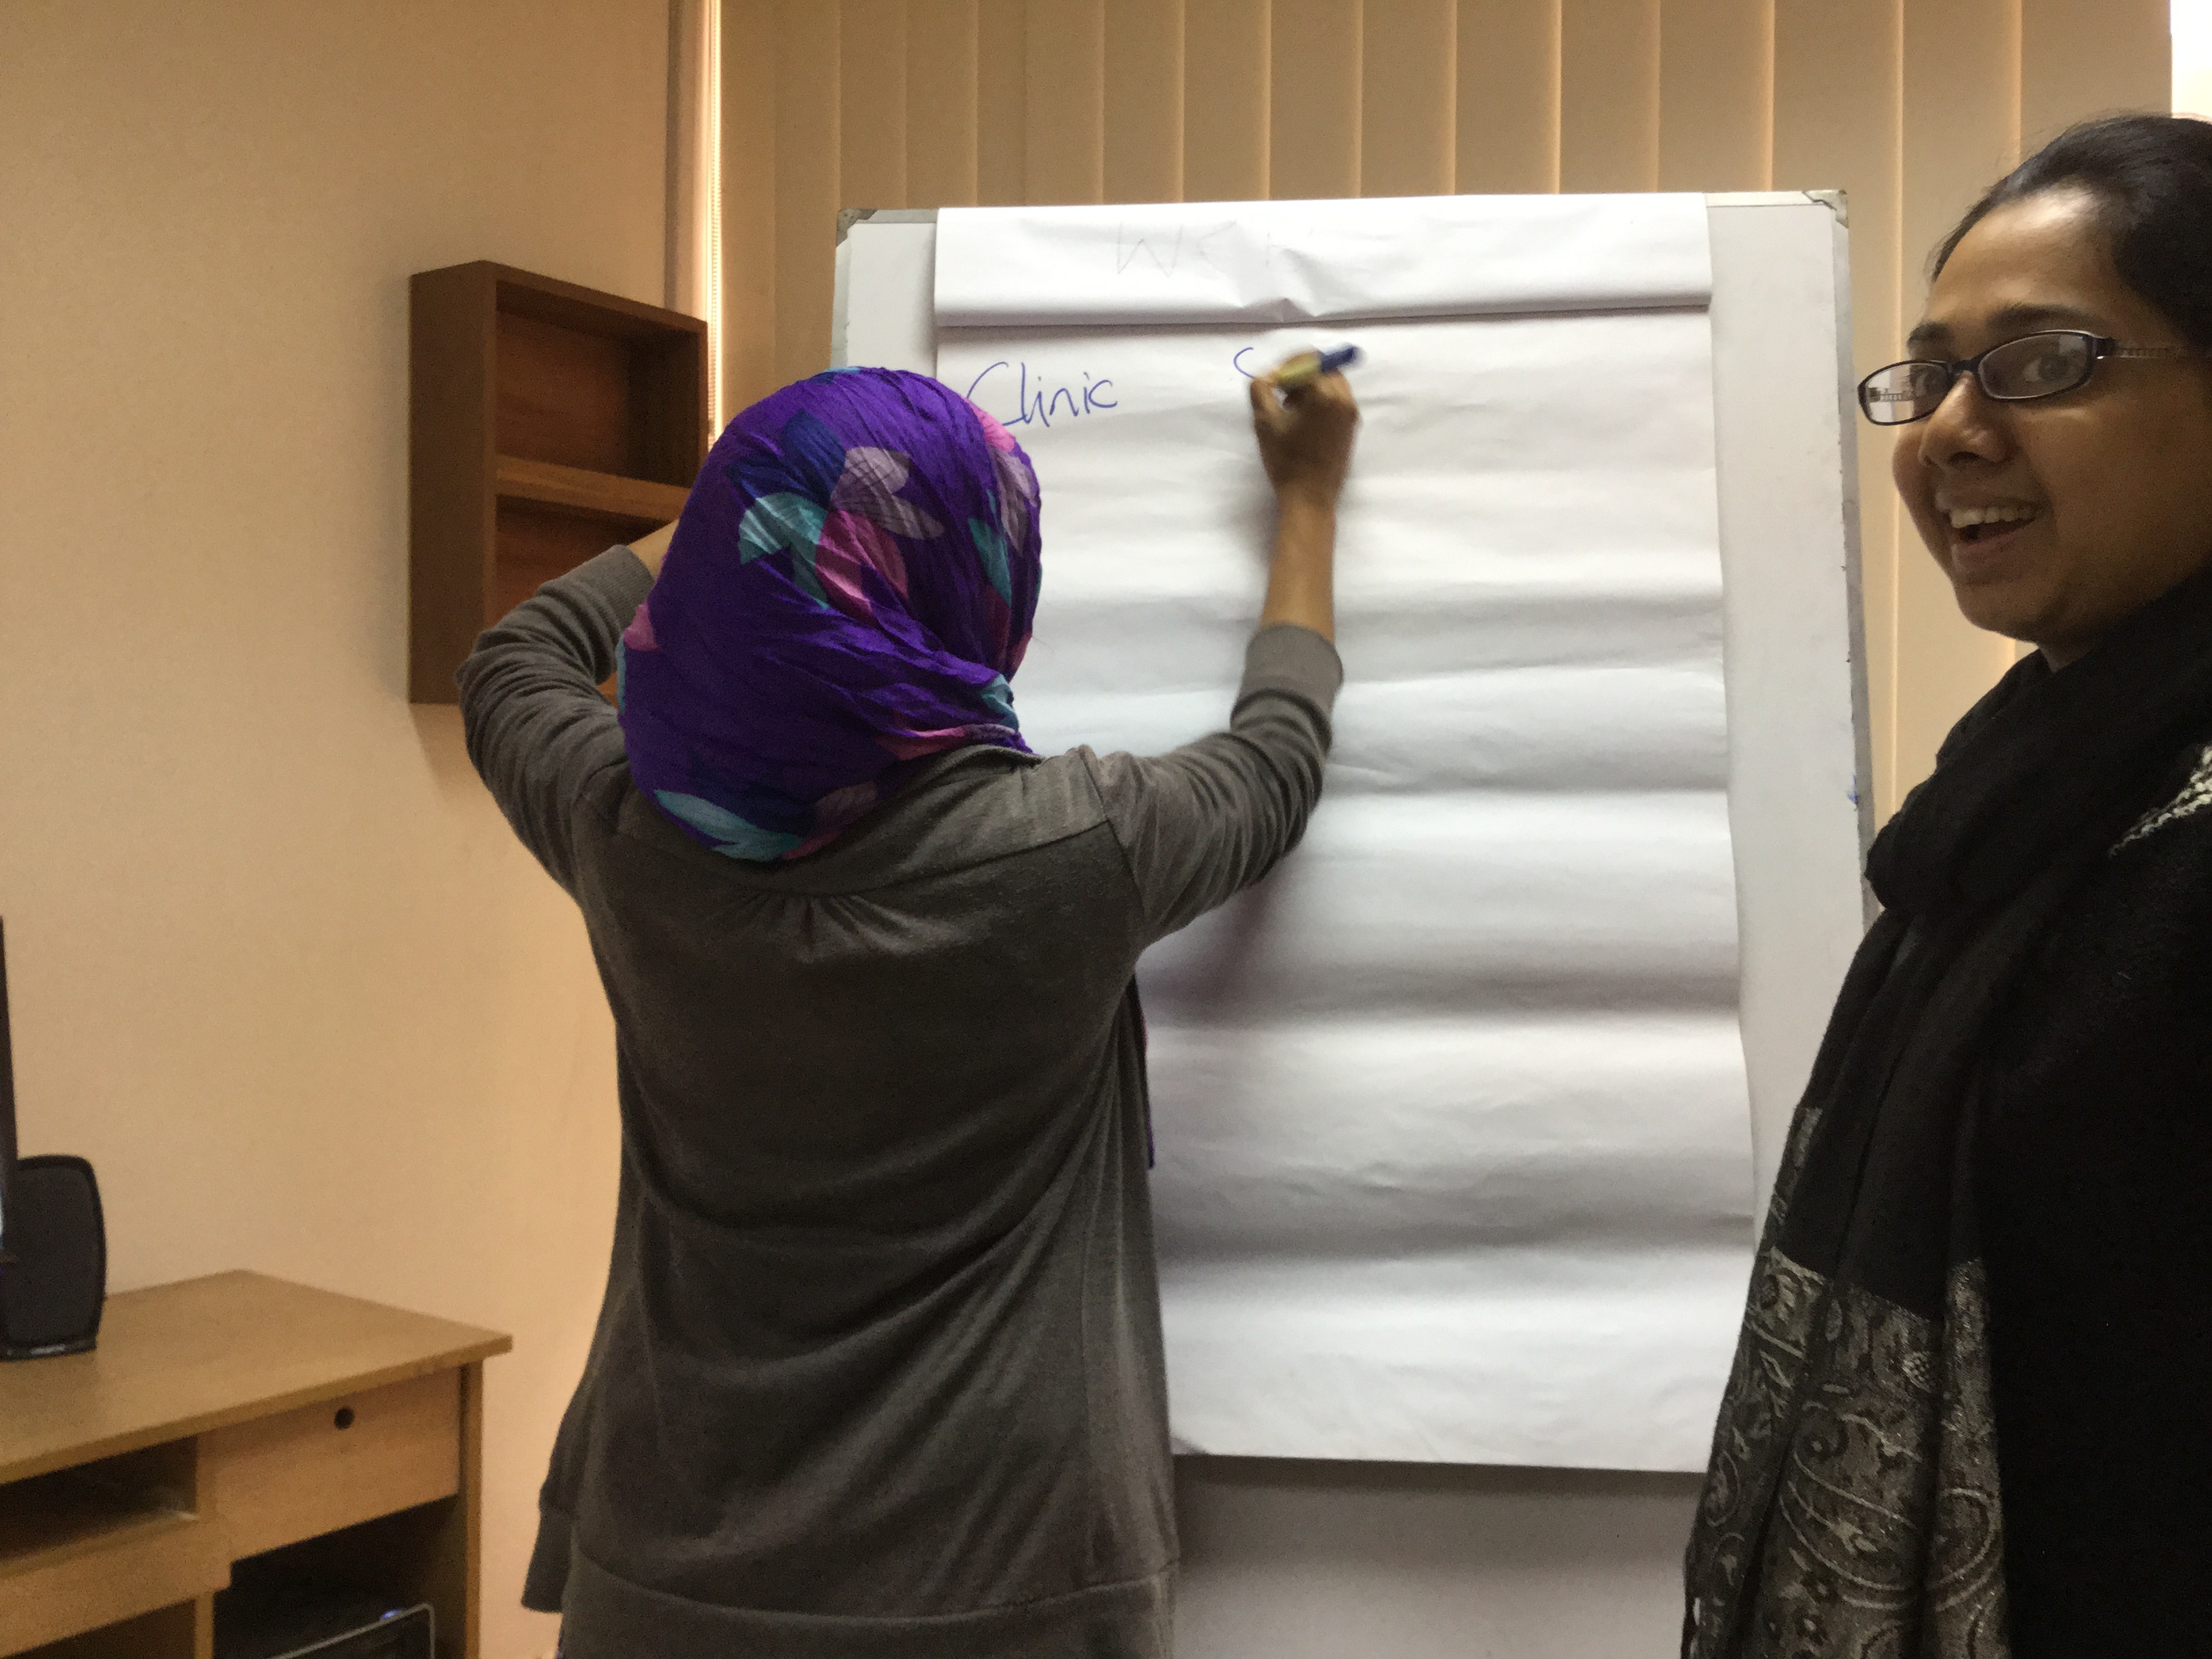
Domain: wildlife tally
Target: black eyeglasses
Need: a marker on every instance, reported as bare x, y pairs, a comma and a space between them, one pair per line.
2033, 365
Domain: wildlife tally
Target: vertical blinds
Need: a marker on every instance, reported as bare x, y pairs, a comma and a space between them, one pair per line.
1910, 105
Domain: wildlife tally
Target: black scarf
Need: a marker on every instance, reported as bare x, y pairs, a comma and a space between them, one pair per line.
1852, 1505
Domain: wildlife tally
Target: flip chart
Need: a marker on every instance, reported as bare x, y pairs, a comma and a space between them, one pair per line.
1453, 1140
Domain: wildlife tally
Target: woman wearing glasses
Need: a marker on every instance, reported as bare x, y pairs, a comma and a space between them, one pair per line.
1971, 1414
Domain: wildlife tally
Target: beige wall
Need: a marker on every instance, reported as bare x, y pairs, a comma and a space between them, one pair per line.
1912, 105
279, 969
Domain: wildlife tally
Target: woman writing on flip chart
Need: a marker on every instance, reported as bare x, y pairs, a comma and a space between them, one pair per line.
878, 1370
1971, 1411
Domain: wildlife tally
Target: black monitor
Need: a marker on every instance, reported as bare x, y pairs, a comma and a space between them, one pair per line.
7, 1104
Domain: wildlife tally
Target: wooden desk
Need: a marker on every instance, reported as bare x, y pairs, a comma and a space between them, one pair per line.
232, 1416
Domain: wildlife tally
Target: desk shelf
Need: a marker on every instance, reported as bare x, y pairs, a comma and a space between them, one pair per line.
548, 421
77, 1552
237, 1417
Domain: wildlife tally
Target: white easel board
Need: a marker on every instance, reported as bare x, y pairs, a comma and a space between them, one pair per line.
1781, 447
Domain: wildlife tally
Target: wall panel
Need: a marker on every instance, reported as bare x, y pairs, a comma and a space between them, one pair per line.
941, 64
1609, 95
1002, 54
1407, 88
1838, 92
1144, 101
749, 196
871, 70
1959, 131
2080, 57
1715, 93
1066, 105
1227, 77
1313, 128
806, 166
1506, 113
339, 1025
1911, 107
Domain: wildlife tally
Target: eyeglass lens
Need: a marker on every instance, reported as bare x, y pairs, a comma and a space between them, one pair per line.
2034, 366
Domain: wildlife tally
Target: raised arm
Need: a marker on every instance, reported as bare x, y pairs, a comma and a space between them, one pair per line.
537, 726
1202, 823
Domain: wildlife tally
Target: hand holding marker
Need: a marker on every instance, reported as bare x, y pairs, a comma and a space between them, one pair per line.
1305, 416
1304, 413
1309, 365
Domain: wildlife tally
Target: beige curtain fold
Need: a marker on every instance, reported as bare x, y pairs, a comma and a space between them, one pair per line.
1910, 105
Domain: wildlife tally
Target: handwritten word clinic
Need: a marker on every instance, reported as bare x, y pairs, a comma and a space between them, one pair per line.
1038, 399
1040, 405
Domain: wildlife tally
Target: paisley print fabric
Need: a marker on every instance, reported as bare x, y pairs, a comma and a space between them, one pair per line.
1885, 1535
848, 594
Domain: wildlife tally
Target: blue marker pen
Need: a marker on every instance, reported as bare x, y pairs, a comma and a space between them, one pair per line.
1312, 365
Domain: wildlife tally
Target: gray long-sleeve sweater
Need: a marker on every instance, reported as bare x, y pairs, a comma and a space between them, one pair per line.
879, 1368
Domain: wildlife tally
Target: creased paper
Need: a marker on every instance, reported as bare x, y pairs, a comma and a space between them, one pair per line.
1454, 1154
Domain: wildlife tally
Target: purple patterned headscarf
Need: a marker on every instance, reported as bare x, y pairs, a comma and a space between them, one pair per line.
848, 591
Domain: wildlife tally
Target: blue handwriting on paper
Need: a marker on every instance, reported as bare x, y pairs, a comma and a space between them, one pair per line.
1036, 402
1038, 399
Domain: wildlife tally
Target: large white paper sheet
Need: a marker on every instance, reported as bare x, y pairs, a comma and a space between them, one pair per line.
1454, 1150
1284, 261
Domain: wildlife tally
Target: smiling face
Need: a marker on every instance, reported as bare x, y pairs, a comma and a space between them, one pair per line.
2057, 518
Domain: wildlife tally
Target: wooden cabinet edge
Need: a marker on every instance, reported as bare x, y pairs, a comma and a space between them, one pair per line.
450, 525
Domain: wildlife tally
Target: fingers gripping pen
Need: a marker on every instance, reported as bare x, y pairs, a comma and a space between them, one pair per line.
1309, 365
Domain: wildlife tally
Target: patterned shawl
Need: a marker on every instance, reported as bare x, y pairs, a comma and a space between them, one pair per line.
1852, 1508
847, 594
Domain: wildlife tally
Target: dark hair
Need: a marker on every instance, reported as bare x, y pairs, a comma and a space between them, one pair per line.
2151, 177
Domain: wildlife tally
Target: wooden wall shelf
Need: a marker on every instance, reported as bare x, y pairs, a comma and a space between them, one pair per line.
547, 422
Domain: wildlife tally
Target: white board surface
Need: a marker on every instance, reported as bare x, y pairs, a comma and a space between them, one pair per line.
1414, 1307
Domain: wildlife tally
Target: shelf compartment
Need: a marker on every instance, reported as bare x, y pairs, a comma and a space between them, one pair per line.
537, 544
186, 1631
620, 501
77, 1552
